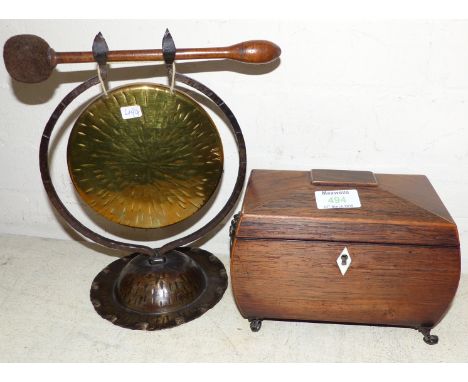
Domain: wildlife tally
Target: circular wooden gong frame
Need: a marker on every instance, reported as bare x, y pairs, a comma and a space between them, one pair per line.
132, 247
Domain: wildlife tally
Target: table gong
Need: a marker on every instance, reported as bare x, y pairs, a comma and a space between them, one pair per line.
146, 156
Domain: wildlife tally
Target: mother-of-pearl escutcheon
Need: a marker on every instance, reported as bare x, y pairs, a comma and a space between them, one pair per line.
344, 261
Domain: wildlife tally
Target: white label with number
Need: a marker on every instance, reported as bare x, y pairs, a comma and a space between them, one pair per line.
337, 199
129, 112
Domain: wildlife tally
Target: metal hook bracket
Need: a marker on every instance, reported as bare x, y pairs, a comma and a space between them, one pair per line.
169, 53
168, 48
100, 50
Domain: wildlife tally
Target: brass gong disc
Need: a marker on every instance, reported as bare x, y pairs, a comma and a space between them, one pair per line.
151, 170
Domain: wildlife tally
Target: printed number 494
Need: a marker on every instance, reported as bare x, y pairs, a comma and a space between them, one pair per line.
337, 199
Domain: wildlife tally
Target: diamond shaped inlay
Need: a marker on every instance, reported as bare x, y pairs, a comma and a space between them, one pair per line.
344, 261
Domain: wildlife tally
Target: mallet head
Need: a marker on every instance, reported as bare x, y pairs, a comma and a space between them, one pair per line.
28, 58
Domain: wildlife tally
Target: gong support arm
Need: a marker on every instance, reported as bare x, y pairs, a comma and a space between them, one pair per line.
30, 59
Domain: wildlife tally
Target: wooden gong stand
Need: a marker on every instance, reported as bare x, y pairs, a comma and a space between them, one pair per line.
186, 281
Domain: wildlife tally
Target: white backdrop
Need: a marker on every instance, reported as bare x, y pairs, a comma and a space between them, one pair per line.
386, 96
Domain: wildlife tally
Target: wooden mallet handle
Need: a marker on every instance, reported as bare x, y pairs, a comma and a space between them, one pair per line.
28, 58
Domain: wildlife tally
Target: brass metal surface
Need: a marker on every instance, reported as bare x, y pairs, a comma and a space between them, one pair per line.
150, 171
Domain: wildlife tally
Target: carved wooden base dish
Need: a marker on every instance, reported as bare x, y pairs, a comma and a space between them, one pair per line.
135, 293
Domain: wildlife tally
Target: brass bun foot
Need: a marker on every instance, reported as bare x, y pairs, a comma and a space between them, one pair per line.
134, 293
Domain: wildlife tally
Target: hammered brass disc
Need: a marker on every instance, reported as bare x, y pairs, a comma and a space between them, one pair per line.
150, 171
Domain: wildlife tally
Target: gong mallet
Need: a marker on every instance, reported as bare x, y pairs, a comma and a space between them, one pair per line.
29, 58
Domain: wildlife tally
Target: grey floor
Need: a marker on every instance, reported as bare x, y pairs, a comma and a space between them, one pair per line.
46, 316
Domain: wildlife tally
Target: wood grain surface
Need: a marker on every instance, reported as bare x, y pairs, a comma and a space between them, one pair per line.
403, 209
385, 284
403, 245
253, 51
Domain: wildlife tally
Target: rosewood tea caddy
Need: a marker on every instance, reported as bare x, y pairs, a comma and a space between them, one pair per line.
391, 256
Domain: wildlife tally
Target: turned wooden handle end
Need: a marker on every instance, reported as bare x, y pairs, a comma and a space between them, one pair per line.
255, 51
